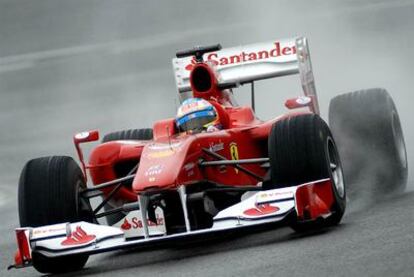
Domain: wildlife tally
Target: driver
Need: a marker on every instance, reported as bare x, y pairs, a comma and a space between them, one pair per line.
196, 115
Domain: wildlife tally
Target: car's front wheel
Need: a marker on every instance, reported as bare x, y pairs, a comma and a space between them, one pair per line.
49, 194
302, 150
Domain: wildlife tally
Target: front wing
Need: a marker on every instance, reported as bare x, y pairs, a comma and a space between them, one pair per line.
305, 202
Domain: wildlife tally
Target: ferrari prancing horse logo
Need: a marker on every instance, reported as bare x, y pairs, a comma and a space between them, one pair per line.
234, 153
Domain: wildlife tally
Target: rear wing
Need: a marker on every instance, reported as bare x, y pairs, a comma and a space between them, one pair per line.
246, 64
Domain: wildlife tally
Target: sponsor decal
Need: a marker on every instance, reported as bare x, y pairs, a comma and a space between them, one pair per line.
215, 147
164, 146
126, 225
153, 170
261, 209
190, 66
162, 150
43, 231
161, 154
132, 225
243, 56
234, 153
136, 223
57, 230
275, 194
78, 237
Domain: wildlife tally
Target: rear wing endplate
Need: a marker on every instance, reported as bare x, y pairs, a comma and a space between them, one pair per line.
245, 64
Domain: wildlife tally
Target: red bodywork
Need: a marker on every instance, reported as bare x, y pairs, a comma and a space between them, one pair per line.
174, 161
171, 159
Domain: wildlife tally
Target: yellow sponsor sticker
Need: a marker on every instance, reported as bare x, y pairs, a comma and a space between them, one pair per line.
234, 153
161, 154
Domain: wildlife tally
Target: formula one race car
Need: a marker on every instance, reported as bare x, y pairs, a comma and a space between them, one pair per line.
169, 183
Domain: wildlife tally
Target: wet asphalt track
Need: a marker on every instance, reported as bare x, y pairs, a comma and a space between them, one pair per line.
67, 66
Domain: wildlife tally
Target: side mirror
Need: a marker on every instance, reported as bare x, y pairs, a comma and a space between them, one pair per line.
298, 102
87, 136
82, 137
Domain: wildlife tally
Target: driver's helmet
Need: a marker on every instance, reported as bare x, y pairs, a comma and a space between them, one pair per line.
196, 115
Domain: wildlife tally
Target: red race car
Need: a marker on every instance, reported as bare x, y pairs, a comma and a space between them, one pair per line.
215, 167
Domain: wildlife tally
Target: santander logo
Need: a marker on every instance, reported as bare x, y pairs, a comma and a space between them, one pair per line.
190, 66
126, 225
79, 236
261, 209
244, 56
136, 223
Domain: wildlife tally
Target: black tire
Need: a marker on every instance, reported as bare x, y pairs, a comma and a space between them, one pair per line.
48, 194
132, 134
301, 150
367, 129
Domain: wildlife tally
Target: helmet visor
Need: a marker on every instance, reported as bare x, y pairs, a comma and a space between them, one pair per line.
195, 122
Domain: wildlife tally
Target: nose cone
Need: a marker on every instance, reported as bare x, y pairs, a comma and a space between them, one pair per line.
161, 163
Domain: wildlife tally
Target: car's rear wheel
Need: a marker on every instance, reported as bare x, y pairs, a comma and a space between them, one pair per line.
49, 194
301, 150
131, 134
368, 132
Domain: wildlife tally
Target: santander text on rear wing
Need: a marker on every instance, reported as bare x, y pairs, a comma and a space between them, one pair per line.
245, 64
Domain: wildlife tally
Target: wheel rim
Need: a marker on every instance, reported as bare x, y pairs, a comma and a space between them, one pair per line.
399, 140
335, 168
